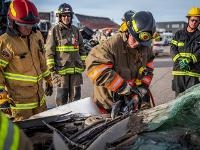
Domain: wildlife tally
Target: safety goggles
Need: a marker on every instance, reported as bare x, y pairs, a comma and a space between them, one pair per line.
66, 15
26, 25
145, 36
195, 20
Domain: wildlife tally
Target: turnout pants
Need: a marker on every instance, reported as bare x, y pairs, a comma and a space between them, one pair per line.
66, 95
181, 83
68, 88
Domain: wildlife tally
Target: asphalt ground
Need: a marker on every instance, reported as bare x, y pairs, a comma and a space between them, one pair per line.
160, 86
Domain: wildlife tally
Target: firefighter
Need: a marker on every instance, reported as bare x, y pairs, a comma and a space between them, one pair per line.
117, 64
11, 136
22, 63
65, 56
185, 53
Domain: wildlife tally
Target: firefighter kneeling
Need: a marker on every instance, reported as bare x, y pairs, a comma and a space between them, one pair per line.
118, 60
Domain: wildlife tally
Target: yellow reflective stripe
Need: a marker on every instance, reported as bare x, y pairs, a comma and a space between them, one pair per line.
67, 48
70, 47
3, 130
67, 71
185, 73
181, 44
71, 70
21, 77
83, 57
25, 106
188, 55
46, 73
29, 105
135, 26
177, 43
16, 137
176, 57
3, 63
50, 61
79, 70
174, 42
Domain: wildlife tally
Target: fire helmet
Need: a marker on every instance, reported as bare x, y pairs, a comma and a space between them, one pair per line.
141, 25
64, 9
23, 12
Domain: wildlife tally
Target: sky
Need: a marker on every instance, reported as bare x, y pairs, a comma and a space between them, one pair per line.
162, 10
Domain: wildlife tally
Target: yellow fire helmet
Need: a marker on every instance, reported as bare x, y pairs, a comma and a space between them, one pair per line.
194, 11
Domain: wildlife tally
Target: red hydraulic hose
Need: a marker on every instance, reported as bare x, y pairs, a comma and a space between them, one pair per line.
152, 99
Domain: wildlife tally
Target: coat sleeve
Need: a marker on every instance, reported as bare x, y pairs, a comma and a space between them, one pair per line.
99, 66
51, 48
6, 56
197, 49
82, 50
147, 71
45, 71
174, 48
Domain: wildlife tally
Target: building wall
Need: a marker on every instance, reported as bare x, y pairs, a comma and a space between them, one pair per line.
171, 26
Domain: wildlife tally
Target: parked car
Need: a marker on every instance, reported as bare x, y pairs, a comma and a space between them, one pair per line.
160, 45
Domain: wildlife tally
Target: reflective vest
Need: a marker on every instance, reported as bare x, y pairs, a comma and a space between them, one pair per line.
9, 133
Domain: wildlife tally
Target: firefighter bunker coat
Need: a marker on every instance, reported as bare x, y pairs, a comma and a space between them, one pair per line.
65, 52
22, 69
185, 45
113, 62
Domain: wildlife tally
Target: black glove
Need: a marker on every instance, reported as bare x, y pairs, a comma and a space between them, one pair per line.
125, 89
49, 88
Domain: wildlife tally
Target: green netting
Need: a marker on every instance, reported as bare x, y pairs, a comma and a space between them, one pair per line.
175, 125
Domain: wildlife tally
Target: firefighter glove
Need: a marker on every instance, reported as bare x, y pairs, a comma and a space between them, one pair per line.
125, 89
6, 102
184, 64
49, 88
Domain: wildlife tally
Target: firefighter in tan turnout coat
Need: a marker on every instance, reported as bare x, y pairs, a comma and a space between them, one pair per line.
120, 60
65, 56
22, 63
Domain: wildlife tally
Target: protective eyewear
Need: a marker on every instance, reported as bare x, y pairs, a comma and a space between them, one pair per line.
145, 36
194, 20
26, 25
66, 15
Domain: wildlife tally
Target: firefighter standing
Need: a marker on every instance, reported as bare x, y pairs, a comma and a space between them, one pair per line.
185, 53
22, 63
65, 56
123, 58
11, 136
